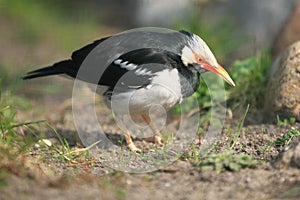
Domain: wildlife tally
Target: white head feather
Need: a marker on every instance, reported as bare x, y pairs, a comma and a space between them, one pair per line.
197, 45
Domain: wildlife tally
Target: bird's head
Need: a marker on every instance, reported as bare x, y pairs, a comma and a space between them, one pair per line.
197, 54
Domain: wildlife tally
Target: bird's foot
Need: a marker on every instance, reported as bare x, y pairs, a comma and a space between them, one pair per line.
133, 148
156, 139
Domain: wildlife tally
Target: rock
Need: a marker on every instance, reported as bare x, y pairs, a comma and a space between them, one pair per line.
283, 89
289, 158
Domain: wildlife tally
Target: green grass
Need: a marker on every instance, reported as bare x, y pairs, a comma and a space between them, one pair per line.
192, 154
15, 142
237, 131
286, 138
59, 149
228, 160
283, 140
9, 127
285, 121
250, 78
18, 138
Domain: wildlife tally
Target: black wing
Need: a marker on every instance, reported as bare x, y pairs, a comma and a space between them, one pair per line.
117, 75
135, 69
79, 55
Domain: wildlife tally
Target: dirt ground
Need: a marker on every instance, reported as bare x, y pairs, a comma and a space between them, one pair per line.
50, 178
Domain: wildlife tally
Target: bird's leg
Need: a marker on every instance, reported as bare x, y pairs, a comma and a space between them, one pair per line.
130, 143
156, 138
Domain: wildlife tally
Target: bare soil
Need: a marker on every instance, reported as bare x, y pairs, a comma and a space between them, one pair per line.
47, 177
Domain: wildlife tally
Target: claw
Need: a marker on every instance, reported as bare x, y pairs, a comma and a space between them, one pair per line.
158, 140
131, 145
133, 148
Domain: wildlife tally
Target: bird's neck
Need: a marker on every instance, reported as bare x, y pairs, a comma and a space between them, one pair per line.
189, 80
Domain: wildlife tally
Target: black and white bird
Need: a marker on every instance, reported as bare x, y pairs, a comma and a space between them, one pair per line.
164, 70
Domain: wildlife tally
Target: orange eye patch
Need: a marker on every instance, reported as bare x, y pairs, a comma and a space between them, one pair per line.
199, 58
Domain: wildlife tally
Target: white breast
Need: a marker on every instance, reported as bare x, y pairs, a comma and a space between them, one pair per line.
164, 90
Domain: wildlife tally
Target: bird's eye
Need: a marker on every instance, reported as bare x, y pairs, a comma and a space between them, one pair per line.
199, 59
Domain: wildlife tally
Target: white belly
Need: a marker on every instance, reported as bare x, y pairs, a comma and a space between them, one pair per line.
161, 92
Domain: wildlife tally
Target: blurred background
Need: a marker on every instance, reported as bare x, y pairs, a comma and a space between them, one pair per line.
37, 33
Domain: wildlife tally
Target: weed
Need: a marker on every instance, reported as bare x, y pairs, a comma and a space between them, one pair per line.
285, 121
14, 142
65, 153
282, 141
249, 76
200, 134
237, 132
227, 160
193, 154
287, 138
9, 128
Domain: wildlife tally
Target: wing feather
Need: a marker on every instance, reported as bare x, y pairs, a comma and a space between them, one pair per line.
135, 69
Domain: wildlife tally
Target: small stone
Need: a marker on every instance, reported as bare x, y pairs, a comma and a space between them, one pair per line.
248, 179
167, 184
45, 142
129, 182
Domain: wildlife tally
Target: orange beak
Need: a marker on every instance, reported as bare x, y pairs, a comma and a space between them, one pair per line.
220, 71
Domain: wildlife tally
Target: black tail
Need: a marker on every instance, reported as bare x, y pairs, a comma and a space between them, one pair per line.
58, 68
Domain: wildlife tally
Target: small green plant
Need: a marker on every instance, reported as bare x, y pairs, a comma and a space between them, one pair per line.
193, 154
249, 76
285, 121
227, 160
287, 138
14, 140
9, 128
284, 140
238, 129
64, 152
